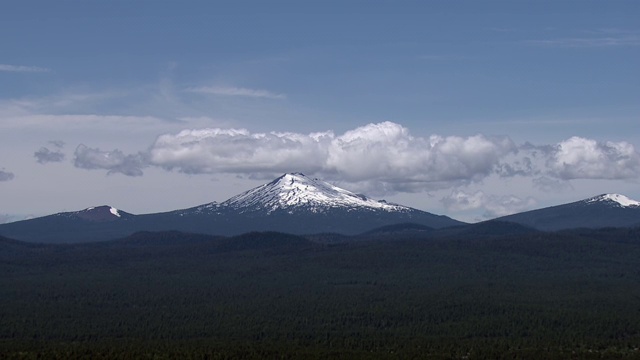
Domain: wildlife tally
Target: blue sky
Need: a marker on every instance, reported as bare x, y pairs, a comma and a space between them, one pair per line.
466, 108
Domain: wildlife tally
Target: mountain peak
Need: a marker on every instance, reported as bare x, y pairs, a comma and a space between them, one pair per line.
97, 213
616, 199
293, 191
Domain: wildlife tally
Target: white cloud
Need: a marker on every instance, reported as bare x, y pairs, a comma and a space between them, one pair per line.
235, 91
493, 205
380, 159
384, 153
580, 158
239, 151
22, 68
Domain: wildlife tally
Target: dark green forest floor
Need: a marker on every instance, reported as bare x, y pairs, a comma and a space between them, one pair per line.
564, 296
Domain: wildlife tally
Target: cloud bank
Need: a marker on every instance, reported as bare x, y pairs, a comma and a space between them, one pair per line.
382, 158
385, 152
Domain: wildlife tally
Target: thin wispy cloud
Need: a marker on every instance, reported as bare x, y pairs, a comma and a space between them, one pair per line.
609, 39
442, 57
235, 91
23, 68
93, 121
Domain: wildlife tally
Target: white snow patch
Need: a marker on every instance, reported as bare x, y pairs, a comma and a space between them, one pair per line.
114, 211
620, 199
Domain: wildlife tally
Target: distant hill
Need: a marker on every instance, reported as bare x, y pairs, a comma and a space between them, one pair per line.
606, 210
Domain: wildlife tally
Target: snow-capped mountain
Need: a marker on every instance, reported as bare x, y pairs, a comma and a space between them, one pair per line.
616, 200
296, 192
606, 210
292, 203
299, 204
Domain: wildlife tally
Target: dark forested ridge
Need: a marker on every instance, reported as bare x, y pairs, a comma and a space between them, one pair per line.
396, 294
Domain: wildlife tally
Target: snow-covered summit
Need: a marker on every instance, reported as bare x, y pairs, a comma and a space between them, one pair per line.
615, 199
294, 191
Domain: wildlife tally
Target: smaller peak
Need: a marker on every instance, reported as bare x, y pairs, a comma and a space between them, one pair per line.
99, 213
619, 199
97, 208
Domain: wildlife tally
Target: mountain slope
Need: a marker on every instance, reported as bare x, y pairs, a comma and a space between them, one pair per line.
292, 203
91, 224
297, 204
606, 210
296, 192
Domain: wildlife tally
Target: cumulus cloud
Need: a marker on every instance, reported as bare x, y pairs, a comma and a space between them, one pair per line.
239, 151
114, 161
384, 152
6, 175
22, 68
580, 158
235, 91
494, 205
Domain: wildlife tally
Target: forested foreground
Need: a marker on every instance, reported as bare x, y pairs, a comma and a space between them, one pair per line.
156, 296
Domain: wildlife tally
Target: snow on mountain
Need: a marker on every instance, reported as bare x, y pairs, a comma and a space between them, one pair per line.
295, 191
114, 211
95, 213
606, 210
615, 199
